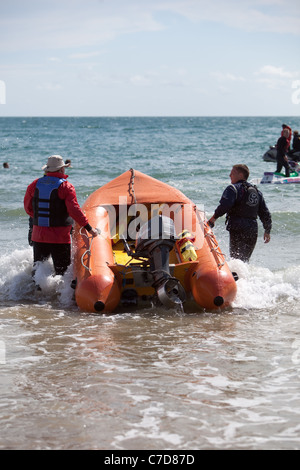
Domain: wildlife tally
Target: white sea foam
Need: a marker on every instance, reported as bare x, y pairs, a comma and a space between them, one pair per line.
261, 288
17, 282
257, 287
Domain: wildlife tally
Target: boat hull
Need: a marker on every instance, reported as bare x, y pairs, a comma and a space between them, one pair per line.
211, 280
107, 277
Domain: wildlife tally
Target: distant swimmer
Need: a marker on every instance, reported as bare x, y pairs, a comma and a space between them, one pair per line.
5, 165
243, 203
52, 204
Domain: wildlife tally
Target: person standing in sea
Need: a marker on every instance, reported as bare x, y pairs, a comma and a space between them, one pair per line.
51, 202
282, 149
243, 203
287, 132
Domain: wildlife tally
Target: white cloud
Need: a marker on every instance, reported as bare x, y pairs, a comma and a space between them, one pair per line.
99, 47
270, 83
66, 24
275, 78
140, 80
250, 15
164, 77
276, 71
72, 24
84, 55
223, 76
225, 91
49, 86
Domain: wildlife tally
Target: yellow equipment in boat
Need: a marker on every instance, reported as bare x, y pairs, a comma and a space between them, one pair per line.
185, 247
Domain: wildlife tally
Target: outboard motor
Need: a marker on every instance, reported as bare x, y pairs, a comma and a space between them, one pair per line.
155, 240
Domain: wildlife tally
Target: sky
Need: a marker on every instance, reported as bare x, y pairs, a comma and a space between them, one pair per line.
149, 58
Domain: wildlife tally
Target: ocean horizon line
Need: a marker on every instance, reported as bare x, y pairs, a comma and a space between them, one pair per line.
155, 116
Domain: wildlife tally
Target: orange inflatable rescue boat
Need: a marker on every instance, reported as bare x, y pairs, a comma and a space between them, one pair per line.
154, 245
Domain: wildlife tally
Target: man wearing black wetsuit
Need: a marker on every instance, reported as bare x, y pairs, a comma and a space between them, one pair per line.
282, 148
243, 203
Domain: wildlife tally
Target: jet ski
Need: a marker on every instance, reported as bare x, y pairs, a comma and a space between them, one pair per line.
270, 155
270, 177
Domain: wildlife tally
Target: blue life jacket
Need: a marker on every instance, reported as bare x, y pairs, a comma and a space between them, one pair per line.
48, 209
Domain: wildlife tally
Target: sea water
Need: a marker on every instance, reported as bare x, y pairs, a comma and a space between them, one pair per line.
149, 378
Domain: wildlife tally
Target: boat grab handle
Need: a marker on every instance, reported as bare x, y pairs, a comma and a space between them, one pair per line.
88, 251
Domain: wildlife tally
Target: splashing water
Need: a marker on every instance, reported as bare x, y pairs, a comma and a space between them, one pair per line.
257, 287
260, 288
17, 282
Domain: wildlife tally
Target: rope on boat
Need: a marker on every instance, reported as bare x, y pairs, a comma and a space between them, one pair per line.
215, 249
88, 251
131, 186
212, 242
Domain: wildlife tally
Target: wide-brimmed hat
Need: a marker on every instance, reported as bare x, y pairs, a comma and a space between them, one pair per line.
55, 163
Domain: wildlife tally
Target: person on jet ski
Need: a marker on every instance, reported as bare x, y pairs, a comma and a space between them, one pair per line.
282, 159
287, 132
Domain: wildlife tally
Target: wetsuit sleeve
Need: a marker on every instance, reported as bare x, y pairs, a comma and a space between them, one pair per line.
227, 201
67, 192
264, 214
